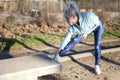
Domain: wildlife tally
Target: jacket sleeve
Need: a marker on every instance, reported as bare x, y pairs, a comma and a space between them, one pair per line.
66, 39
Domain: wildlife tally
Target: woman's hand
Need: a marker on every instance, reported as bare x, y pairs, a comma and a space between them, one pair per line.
84, 35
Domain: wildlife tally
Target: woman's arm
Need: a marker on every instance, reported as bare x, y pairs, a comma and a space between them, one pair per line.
65, 41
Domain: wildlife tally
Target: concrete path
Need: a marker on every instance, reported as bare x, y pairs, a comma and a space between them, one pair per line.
86, 54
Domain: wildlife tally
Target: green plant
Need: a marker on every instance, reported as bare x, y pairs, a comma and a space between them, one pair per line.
11, 20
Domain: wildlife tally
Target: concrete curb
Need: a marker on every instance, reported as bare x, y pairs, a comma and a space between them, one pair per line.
86, 54
28, 67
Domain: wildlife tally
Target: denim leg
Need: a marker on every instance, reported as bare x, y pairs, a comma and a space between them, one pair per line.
71, 44
97, 41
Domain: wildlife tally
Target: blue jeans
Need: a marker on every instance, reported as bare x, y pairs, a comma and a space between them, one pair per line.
97, 40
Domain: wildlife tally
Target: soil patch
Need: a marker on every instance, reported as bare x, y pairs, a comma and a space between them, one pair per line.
83, 69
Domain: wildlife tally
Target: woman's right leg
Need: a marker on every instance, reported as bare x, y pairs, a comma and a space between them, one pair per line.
71, 44
97, 36
97, 41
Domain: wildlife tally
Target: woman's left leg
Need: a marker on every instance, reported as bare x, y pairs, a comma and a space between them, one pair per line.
71, 44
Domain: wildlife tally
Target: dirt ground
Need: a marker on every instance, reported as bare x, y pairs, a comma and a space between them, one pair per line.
83, 69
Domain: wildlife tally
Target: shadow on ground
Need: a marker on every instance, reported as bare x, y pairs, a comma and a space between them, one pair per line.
7, 43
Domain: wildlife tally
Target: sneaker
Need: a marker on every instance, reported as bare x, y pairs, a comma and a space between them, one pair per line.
53, 56
97, 69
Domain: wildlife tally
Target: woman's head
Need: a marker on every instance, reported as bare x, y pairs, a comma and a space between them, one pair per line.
71, 12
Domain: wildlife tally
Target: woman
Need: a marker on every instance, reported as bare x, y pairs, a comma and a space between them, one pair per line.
81, 24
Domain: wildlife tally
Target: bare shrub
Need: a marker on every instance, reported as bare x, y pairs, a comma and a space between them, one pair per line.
109, 23
24, 7
46, 19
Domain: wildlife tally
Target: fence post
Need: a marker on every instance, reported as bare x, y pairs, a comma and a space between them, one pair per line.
61, 7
